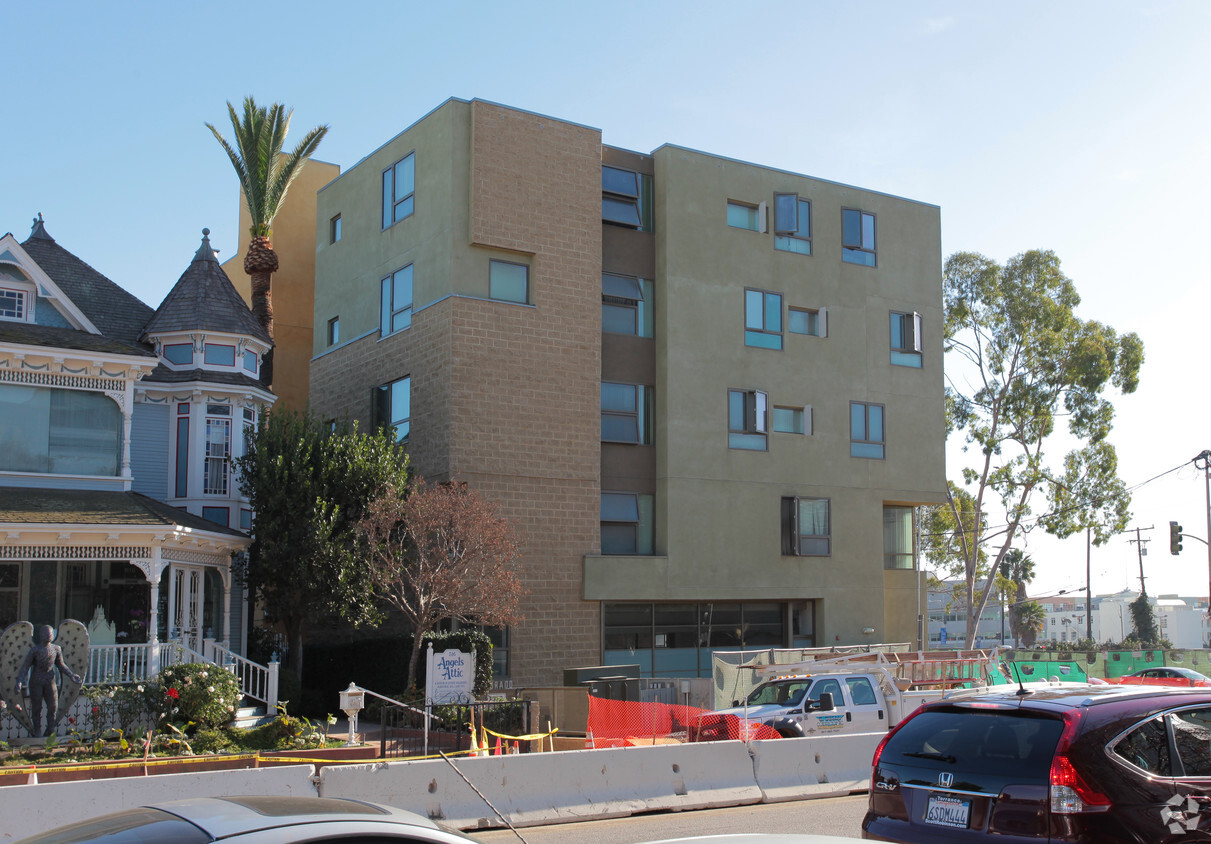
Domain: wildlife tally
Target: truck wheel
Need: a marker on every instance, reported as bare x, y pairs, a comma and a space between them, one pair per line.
788, 728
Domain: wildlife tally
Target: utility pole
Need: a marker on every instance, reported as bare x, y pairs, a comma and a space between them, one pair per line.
1089, 584
1139, 548
1205, 457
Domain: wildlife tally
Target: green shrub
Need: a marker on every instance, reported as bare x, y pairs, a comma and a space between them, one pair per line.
209, 741
195, 692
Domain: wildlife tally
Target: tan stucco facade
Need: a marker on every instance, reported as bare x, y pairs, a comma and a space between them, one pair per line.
294, 237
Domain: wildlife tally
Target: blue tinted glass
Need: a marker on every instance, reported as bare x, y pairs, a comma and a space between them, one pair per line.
753, 309
179, 353
735, 410
900, 358
618, 397
405, 175
218, 515
401, 400
786, 212
509, 282
625, 211
617, 428
855, 256
749, 442
619, 181
851, 228
873, 450
618, 319
250, 361
786, 243
402, 288
874, 423
897, 331
761, 340
742, 216
619, 507
220, 355
857, 421
868, 231
773, 312
805, 218
802, 322
404, 209
388, 198
621, 286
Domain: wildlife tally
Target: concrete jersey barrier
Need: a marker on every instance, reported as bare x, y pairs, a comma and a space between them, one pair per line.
816, 766
542, 788
30, 809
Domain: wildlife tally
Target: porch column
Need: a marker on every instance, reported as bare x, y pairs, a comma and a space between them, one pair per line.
225, 638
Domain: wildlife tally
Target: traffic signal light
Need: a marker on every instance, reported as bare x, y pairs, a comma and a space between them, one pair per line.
1175, 538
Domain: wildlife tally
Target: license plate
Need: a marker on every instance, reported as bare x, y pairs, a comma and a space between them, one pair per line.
947, 811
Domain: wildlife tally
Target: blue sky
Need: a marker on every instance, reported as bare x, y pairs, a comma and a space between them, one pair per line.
1080, 127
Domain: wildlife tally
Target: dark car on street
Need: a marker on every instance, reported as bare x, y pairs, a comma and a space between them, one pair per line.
1101, 764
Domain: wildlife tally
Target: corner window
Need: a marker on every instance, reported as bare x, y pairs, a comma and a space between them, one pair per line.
897, 538
218, 515
179, 353
218, 354
793, 420
392, 407
811, 322
399, 187
395, 312
805, 528
858, 237
334, 229
906, 339
626, 305
334, 331
508, 281
741, 215
626, 523
216, 468
865, 430
250, 361
626, 413
747, 423
762, 319
625, 198
792, 223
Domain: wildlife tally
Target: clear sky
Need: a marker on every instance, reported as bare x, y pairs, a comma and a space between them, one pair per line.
1081, 127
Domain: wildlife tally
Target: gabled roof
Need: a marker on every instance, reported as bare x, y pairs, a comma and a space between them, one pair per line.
117, 314
23, 505
204, 299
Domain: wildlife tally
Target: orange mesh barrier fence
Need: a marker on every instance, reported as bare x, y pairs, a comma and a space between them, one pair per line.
626, 723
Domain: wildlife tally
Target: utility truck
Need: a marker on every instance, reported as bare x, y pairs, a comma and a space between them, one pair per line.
845, 695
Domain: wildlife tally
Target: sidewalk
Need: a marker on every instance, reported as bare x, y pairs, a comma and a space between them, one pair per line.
368, 732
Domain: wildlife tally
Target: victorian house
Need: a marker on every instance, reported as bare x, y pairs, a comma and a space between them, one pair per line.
118, 427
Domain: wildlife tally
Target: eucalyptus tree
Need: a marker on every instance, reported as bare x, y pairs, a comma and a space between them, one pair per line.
1027, 377
265, 175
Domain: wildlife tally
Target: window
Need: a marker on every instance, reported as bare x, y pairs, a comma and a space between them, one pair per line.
793, 420
865, 430
245, 519
179, 353
220, 355
182, 461
906, 339
762, 319
626, 198
392, 407
626, 305
897, 538
10, 593
399, 187
395, 312
13, 303
1192, 737
218, 450
814, 323
858, 237
67, 432
792, 223
746, 420
250, 361
741, 215
334, 229
626, 523
626, 413
509, 282
334, 331
218, 515
805, 530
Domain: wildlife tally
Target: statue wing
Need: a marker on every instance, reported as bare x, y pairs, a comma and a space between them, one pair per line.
15, 642
73, 641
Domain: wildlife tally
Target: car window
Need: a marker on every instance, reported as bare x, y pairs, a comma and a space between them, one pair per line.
1192, 735
833, 687
977, 742
861, 691
1146, 747
133, 826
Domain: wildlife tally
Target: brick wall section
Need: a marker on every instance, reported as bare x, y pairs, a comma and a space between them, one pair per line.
525, 413
504, 396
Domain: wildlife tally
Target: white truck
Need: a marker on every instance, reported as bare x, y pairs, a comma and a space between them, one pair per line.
820, 698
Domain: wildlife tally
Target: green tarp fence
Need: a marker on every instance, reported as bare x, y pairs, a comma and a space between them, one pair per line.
1104, 664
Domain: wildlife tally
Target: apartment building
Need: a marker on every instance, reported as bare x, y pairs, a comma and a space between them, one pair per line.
708, 393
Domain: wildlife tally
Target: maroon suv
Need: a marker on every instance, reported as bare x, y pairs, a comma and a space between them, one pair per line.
1099, 764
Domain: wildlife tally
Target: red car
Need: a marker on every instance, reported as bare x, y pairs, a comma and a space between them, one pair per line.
1101, 764
1168, 676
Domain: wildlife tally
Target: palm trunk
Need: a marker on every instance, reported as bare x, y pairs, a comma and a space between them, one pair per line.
261, 263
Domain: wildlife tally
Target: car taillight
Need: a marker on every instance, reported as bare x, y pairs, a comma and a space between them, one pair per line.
1070, 794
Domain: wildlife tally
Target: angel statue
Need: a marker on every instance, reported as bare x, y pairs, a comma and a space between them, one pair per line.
35, 679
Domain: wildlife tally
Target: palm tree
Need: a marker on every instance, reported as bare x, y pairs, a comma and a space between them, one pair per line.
1018, 569
265, 175
1032, 617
